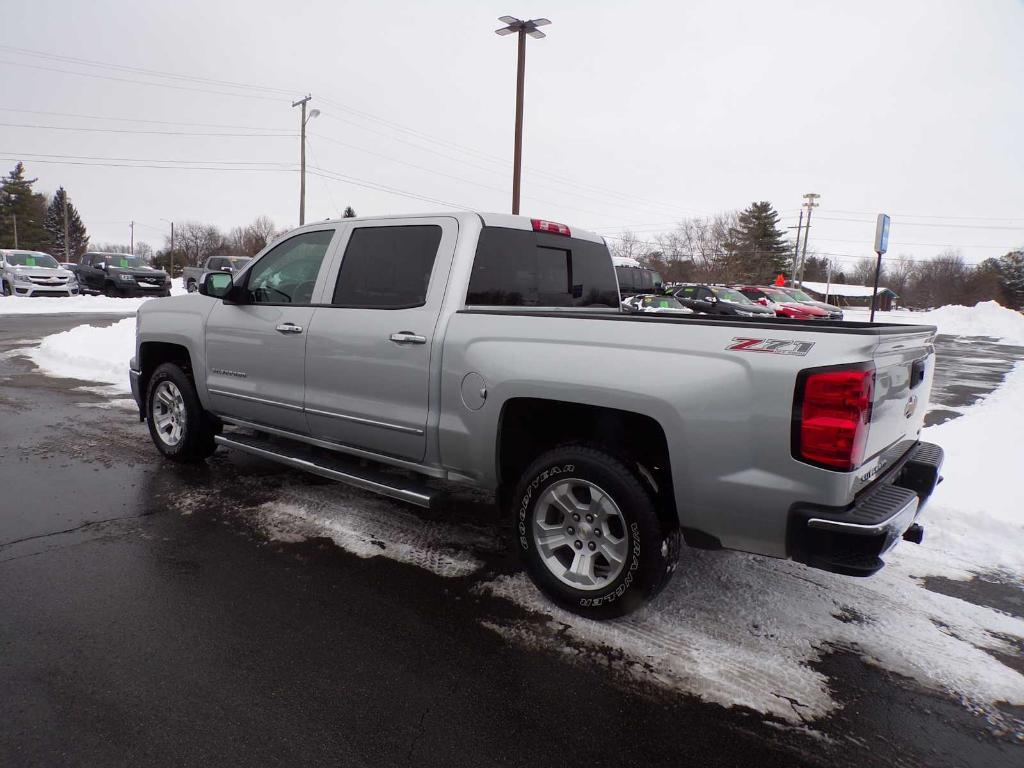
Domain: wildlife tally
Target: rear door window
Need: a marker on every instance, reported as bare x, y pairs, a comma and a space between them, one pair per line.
387, 267
521, 268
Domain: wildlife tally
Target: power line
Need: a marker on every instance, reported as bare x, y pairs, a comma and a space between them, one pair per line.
142, 120
158, 133
155, 160
902, 223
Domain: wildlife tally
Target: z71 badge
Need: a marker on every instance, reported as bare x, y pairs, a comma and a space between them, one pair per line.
772, 346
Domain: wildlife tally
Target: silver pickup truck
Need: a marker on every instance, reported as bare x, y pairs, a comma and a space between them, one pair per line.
489, 350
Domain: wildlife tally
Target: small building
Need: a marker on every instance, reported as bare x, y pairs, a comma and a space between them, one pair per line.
843, 295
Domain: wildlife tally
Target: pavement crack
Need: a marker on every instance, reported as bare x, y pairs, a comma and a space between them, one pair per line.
82, 526
419, 732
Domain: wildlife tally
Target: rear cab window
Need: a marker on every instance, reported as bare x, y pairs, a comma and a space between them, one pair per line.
521, 268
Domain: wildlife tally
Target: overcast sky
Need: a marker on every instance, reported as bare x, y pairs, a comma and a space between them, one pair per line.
637, 114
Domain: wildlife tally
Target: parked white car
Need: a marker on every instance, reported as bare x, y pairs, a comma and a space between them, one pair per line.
33, 273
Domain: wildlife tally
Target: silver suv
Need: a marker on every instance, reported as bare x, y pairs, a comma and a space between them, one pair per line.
33, 273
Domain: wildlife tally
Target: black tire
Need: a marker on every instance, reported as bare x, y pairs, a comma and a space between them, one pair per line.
4, 289
191, 286
109, 289
652, 550
198, 429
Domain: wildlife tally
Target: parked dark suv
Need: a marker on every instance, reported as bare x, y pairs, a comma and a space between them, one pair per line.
121, 274
719, 300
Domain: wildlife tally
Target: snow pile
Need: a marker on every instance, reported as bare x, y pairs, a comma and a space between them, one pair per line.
986, 318
77, 305
371, 526
88, 352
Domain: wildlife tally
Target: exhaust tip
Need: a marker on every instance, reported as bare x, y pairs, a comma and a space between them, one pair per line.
914, 533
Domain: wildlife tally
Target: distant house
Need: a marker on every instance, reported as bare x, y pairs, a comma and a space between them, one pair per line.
843, 295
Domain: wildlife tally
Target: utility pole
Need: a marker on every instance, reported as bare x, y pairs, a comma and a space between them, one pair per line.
796, 250
14, 218
131, 248
171, 252
522, 29
302, 155
809, 203
67, 246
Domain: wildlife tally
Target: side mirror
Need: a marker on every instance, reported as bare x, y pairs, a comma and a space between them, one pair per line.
102, 265
763, 301
215, 284
712, 299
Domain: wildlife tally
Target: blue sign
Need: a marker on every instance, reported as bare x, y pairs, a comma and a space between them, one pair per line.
882, 234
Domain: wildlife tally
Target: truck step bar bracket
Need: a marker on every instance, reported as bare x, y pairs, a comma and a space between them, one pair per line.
332, 466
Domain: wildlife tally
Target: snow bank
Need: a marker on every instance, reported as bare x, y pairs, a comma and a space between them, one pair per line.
986, 318
77, 305
88, 352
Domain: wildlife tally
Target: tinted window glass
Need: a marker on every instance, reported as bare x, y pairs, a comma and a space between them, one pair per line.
519, 268
387, 267
646, 279
688, 292
215, 263
625, 275
287, 274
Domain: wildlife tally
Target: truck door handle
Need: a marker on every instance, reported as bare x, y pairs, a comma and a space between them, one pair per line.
407, 337
289, 328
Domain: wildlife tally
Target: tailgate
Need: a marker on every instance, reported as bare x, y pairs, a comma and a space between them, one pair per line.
904, 367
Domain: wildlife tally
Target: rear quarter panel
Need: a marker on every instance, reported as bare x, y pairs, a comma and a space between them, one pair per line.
726, 414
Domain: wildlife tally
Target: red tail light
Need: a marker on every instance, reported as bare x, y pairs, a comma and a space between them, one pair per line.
540, 225
830, 417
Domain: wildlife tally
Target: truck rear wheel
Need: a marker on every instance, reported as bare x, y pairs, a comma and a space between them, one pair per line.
588, 530
178, 425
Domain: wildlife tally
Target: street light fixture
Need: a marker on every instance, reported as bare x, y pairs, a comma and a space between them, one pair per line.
521, 28
302, 156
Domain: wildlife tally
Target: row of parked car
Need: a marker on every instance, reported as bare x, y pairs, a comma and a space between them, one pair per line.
33, 273
642, 290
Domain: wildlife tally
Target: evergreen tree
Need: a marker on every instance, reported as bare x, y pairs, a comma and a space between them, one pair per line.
1010, 269
350, 212
78, 238
757, 249
23, 209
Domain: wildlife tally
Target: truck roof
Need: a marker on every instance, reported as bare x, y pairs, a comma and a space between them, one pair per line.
505, 220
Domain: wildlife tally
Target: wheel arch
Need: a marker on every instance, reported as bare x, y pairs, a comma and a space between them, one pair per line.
528, 426
153, 354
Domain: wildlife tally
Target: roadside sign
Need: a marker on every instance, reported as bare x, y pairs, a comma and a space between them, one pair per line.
882, 234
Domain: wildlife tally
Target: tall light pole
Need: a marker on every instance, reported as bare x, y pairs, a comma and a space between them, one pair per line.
522, 29
302, 156
809, 203
796, 250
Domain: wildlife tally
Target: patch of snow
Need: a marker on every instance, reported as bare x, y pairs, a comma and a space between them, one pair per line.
986, 318
88, 352
78, 305
743, 630
370, 526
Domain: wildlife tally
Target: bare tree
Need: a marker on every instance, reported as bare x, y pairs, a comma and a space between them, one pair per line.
864, 272
195, 241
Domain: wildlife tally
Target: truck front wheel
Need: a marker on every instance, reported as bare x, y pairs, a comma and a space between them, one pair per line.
588, 530
179, 426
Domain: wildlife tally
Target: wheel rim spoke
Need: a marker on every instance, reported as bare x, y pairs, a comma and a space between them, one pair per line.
168, 408
579, 549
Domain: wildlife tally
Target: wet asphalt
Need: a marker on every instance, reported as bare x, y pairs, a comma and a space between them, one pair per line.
143, 622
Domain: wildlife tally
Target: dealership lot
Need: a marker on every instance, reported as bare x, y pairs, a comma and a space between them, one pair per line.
232, 614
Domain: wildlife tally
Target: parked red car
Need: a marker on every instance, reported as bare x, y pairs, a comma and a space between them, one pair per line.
781, 302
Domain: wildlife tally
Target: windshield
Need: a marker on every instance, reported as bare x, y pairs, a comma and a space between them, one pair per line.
776, 295
122, 260
31, 259
727, 294
798, 294
662, 302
